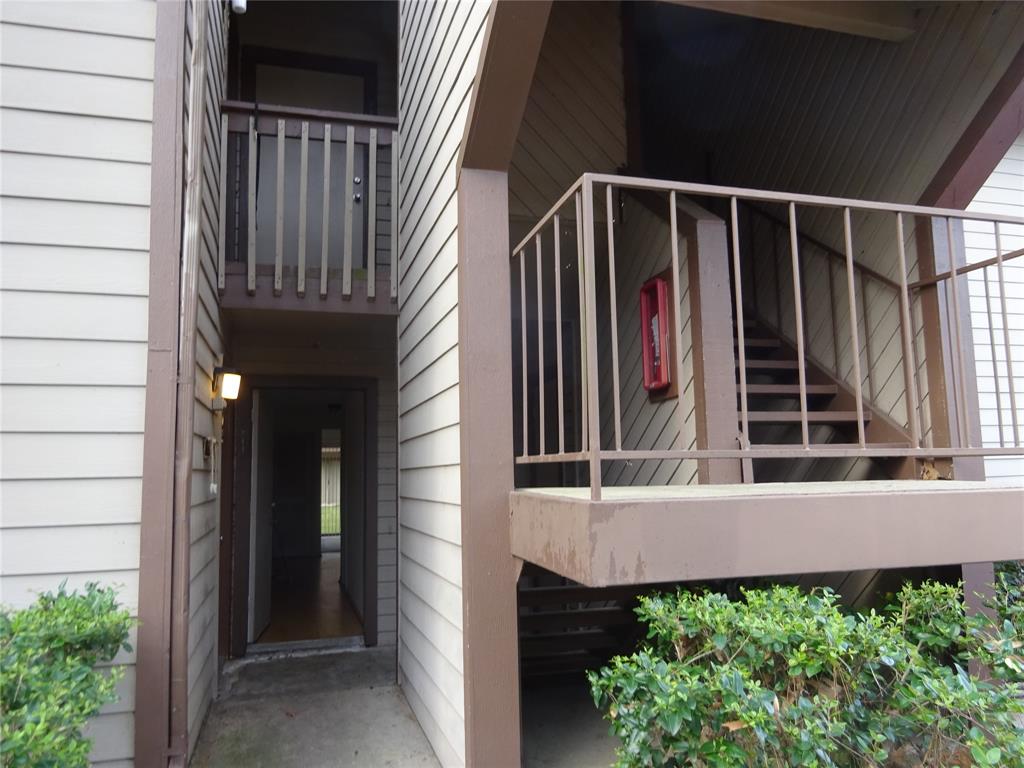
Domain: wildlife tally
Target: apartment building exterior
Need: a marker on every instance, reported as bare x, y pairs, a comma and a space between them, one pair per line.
588, 298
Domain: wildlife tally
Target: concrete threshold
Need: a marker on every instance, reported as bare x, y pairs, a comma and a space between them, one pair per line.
327, 644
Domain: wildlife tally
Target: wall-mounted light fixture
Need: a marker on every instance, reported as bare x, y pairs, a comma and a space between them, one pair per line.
226, 383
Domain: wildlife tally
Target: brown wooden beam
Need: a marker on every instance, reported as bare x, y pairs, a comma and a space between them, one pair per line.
718, 532
892, 21
983, 144
512, 41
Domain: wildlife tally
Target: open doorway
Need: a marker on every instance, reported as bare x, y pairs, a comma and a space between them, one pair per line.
310, 461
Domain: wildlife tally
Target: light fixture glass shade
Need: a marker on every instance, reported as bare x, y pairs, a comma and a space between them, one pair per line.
229, 385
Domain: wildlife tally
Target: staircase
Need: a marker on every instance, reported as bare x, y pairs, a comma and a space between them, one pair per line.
773, 401
565, 629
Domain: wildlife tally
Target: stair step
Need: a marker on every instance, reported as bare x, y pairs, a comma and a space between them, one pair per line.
590, 617
813, 417
759, 343
533, 646
771, 365
789, 390
575, 594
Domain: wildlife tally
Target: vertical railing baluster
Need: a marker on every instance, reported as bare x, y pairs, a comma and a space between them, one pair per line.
832, 317
798, 322
558, 333
325, 236
777, 275
614, 313
907, 336
957, 345
1011, 388
540, 341
250, 268
279, 211
992, 350
805, 310
868, 356
300, 283
590, 290
222, 200
752, 243
394, 216
741, 339
584, 427
371, 218
677, 298
350, 161
523, 337
851, 290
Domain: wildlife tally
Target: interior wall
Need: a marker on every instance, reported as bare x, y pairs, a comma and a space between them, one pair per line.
260, 544
353, 484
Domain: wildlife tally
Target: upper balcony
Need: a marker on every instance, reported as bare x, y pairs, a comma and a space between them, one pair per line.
804, 339
306, 210
307, 140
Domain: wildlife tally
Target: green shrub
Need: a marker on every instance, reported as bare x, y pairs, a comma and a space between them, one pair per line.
784, 678
1009, 600
49, 685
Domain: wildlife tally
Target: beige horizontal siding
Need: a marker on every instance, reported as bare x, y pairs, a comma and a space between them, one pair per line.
1002, 193
74, 202
438, 52
575, 118
204, 514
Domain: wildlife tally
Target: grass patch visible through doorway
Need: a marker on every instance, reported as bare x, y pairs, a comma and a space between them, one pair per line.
330, 519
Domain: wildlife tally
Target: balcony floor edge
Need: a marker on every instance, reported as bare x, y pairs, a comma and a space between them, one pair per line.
641, 536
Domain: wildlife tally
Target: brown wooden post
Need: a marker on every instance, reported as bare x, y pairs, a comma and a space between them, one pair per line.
512, 42
714, 359
489, 610
152, 681
935, 257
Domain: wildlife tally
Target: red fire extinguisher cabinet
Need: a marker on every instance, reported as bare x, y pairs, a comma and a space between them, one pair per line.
655, 325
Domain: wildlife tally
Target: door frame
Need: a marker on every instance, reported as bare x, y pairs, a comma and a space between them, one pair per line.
236, 507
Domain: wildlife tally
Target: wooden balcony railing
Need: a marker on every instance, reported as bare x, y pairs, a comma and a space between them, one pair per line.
307, 209
919, 300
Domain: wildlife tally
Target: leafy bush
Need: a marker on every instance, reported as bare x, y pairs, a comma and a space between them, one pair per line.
1009, 600
784, 678
49, 685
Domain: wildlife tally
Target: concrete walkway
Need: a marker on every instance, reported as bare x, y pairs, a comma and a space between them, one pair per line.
563, 729
328, 709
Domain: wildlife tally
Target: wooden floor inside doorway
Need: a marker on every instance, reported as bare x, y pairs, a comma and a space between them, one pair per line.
308, 603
